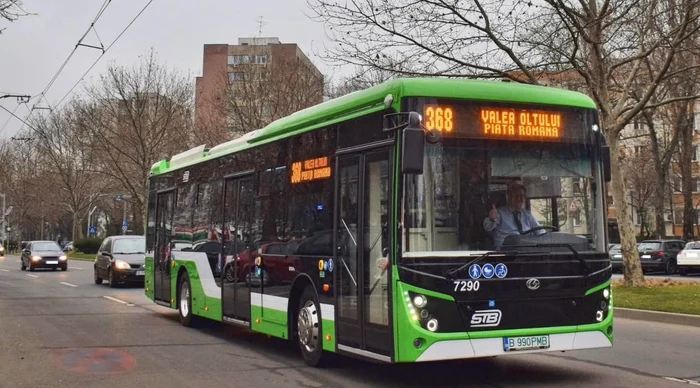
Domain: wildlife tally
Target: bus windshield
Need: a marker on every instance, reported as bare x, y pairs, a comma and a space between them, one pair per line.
447, 209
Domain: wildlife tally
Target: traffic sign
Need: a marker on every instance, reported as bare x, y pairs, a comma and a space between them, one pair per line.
124, 225
93, 230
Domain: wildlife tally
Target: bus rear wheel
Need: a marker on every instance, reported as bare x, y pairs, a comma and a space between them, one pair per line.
309, 328
184, 305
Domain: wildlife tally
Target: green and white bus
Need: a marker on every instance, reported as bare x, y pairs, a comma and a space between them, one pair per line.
360, 226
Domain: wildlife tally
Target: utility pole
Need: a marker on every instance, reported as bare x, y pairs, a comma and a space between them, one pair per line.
20, 97
2, 223
89, 217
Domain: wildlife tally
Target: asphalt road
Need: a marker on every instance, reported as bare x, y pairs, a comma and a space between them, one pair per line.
59, 329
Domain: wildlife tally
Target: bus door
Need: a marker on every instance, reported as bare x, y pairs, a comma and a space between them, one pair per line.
164, 232
239, 255
362, 286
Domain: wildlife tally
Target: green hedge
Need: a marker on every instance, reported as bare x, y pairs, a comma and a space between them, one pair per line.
88, 245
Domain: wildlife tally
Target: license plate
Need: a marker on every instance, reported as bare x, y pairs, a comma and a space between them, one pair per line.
514, 344
52, 262
646, 256
617, 256
140, 273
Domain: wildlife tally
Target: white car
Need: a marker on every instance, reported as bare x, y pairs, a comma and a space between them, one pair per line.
689, 258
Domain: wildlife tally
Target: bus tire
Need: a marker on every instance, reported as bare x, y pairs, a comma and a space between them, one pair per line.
184, 301
308, 328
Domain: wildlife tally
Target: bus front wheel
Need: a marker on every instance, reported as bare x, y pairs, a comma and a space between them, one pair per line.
309, 328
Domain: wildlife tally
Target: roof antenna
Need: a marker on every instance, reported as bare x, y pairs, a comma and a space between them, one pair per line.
261, 23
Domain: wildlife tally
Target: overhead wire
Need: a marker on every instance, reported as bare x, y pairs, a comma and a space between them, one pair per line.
97, 17
103, 54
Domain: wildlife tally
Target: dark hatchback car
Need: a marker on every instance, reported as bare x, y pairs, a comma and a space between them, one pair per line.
121, 259
43, 254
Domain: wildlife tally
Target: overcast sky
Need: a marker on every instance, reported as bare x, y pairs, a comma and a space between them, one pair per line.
33, 48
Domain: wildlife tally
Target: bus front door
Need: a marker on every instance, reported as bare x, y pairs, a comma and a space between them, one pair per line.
363, 322
240, 254
164, 232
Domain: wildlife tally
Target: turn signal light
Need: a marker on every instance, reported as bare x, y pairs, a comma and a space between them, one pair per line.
326, 287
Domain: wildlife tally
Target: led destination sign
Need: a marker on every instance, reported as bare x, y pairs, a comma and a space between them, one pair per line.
509, 123
311, 170
472, 119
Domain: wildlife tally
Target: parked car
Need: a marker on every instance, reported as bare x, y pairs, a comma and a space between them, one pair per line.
615, 257
43, 254
121, 259
660, 255
689, 258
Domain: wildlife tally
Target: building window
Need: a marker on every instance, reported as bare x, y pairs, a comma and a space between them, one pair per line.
577, 218
677, 185
695, 153
238, 59
639, 219
576, 186
261, 59
235, 76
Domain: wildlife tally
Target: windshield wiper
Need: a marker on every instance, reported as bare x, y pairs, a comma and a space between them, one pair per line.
587, 269
451, 273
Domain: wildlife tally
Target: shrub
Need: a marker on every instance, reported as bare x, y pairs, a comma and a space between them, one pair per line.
88, 245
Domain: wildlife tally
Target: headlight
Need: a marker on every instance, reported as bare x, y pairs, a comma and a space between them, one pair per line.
63, 258
36, 258
120, 264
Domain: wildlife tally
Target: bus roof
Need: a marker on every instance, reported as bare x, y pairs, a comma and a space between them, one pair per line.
374, 99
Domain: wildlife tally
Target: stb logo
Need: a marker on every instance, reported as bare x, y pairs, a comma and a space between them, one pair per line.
533, 284
486, 318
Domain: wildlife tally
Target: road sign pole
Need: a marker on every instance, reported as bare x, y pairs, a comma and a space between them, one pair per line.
124, 220
4, 227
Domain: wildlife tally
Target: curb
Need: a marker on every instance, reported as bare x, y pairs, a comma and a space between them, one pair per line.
657, 316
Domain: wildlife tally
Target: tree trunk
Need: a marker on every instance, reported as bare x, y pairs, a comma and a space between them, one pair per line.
633, 275
687, 181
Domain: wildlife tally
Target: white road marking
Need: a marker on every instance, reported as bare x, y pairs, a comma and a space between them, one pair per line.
117, 300
34, 276
4, 270
686, 381
75, 268
68, 284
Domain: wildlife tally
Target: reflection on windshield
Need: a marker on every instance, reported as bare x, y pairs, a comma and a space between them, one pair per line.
449, 208
129, 246
46, 247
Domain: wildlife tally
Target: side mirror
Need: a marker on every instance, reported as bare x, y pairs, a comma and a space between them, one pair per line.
413, 146
607, 175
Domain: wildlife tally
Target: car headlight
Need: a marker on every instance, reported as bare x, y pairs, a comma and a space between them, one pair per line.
63, 258
120, 264
36, 258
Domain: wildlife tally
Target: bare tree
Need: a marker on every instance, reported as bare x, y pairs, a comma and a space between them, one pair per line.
65, 149
137, 116
255, 94
602, 44
11, 10
641, 181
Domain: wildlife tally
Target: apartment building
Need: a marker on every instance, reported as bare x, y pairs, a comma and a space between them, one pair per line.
249, 84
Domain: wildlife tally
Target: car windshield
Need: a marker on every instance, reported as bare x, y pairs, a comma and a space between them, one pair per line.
649, 246
129, 246
46, 246
447, 206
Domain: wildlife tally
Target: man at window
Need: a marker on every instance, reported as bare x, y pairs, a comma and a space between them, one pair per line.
511, 218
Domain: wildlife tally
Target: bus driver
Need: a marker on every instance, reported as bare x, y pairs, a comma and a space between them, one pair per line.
511, 218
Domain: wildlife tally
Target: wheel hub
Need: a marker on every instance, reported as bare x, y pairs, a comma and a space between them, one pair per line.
184, 297
307, 326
